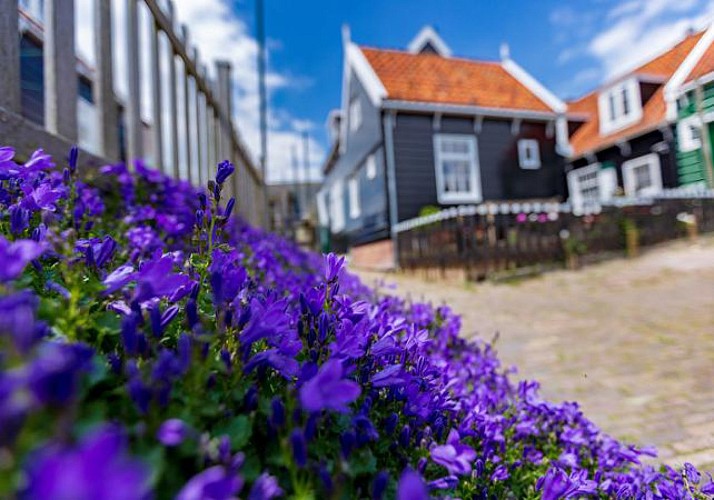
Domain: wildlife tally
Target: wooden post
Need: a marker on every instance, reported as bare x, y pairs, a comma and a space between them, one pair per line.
210, 140
103, 83
199, 130
157, 125
190, 168
10, 57
134, 126
173, 102
223, 70
60, 79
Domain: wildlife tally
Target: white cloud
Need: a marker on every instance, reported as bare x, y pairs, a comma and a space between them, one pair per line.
640, 29
220, 34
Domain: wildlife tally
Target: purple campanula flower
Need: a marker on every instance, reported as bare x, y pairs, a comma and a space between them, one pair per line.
266, 487
328, 390
229, 207
333, 267
277, 414
225, 169
286, 366
299, 447
118, 278
72, 158
39, 161
347, 443
500, 474
157, 279
17, 319
16, 255
97, 467
214, 483
693, 475
392, 375
453, 455
411, 486
172, 432
379, 485
43, 197
56, 370
19, 219
444, 483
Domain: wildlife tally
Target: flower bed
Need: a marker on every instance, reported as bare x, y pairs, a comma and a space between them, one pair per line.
151, 345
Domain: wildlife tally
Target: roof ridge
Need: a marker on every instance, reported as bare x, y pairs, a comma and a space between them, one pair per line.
637, 69
450, 58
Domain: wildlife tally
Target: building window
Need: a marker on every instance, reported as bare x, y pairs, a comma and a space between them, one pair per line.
620, 106
353, 188
355, 115
371, 167
584, 184
529, 154
689, 134
642, 176
457, 175
337, 211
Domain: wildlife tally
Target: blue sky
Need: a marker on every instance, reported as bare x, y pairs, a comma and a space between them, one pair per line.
571, 47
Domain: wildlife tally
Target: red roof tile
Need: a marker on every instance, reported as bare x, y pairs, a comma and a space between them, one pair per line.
587, 138
447, 80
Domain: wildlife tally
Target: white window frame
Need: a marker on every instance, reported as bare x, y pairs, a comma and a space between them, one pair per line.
629, 180
371, 167
472, 196
529, 154
609, 124
322, 216
337, 211
354, 202
575, 183
355, 114
685, 140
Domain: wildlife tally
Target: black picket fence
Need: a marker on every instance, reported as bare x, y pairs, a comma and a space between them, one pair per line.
479, 245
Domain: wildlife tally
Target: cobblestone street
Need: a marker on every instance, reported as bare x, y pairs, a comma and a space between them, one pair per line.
631, 340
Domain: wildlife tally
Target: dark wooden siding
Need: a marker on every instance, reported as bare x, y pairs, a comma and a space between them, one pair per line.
360, 144
641, 146
501, 176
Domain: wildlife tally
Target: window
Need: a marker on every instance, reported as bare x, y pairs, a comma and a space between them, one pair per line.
620, 106
584, 185
355, 115
642, 176
371, 167
337, 212
689, 134
529, 154
457, 176
353, 187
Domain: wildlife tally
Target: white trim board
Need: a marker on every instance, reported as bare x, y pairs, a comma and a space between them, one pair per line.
545, 95
428, 35
671, 88
462, 109
366, 74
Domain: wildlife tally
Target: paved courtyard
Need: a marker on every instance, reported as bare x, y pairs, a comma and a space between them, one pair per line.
631, 340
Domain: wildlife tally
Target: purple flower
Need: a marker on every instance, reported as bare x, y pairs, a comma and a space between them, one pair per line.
156, 279
17, 319
19, 219
225, 169
411, 486
266, 487
453, 455
16, 255
172, 432
55, 372
72, 158
214, 483
118, 278
379, 485
333, 267
328, 390
299, 447
97, 467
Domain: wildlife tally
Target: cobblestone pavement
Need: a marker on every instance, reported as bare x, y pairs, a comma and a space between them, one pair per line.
631, 340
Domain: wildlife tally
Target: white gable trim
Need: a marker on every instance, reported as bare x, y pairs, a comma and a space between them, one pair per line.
672, 88
534, 86
364, 71
428, 35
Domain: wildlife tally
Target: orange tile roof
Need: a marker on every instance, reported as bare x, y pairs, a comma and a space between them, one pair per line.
704, 66
587, 138
447, 80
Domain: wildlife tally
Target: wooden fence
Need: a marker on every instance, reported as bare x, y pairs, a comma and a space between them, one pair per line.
208, 134
478, 242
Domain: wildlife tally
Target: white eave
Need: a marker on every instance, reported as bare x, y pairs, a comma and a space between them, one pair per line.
525, 78
366, 74
673, 86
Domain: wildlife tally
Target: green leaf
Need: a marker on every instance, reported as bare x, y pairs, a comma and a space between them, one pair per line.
238, 430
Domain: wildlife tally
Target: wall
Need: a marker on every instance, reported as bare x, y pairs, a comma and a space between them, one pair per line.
690, 164
501, 177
